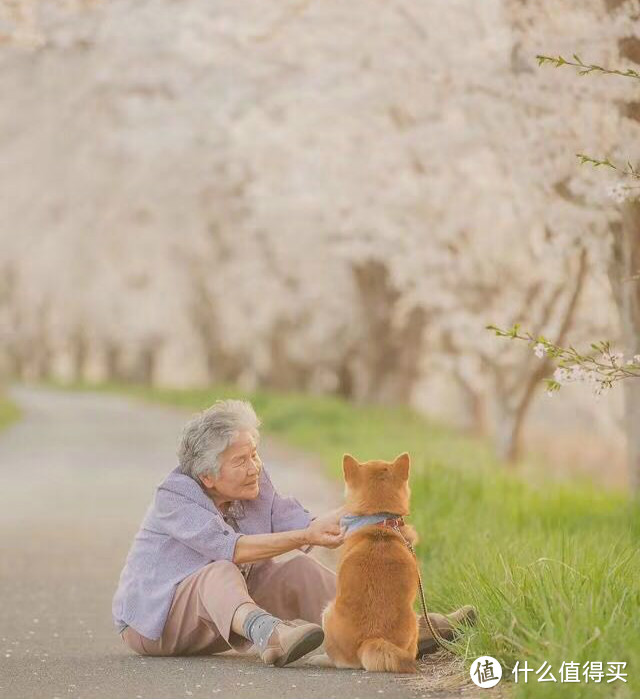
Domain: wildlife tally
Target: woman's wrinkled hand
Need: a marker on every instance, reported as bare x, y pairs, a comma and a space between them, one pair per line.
325, 530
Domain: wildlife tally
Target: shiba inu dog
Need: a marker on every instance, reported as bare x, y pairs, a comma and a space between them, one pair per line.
371, 623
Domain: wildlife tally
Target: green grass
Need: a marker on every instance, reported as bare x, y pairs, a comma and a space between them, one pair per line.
553, 569
555, 574
9, 411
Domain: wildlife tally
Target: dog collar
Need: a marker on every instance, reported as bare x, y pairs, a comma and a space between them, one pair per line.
352, 523
393, 522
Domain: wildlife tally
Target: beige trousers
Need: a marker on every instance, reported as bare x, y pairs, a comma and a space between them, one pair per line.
199, 621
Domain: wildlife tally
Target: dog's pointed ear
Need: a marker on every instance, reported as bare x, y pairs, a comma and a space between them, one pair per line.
349, 467
401, 465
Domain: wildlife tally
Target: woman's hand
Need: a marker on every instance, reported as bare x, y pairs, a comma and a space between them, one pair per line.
325, 530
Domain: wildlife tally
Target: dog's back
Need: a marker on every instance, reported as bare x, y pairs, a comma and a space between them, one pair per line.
372, 623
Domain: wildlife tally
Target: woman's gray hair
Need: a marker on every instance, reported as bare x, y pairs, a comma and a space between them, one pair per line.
210, 432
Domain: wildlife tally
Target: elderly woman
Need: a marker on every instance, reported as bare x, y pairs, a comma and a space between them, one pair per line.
200, 578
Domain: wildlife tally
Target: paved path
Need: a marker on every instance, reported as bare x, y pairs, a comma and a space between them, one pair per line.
76, 475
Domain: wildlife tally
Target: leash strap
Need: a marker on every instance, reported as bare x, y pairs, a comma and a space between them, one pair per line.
438, 639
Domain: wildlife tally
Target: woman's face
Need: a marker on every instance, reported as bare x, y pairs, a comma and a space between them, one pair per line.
239, 472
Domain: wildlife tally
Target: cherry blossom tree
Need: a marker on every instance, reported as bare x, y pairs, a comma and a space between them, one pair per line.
622, 233
314, 196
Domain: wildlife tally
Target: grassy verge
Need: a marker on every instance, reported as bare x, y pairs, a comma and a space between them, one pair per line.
9, 411
554, 570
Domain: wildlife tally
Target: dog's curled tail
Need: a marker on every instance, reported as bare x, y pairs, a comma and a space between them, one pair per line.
379, 655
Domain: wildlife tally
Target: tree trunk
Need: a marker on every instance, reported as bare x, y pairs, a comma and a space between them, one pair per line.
16, 362
113, 361
145, 367
507, 434
632, 427
624, 274
79, 353
286, 372
475, 409
344, 374
389, 355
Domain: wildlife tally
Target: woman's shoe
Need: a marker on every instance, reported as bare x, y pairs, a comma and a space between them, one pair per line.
289, 642
444, 625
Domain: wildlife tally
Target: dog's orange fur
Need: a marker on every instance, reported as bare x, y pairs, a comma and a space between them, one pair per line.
371, 623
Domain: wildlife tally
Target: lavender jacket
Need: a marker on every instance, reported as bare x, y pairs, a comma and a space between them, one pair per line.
183, 531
